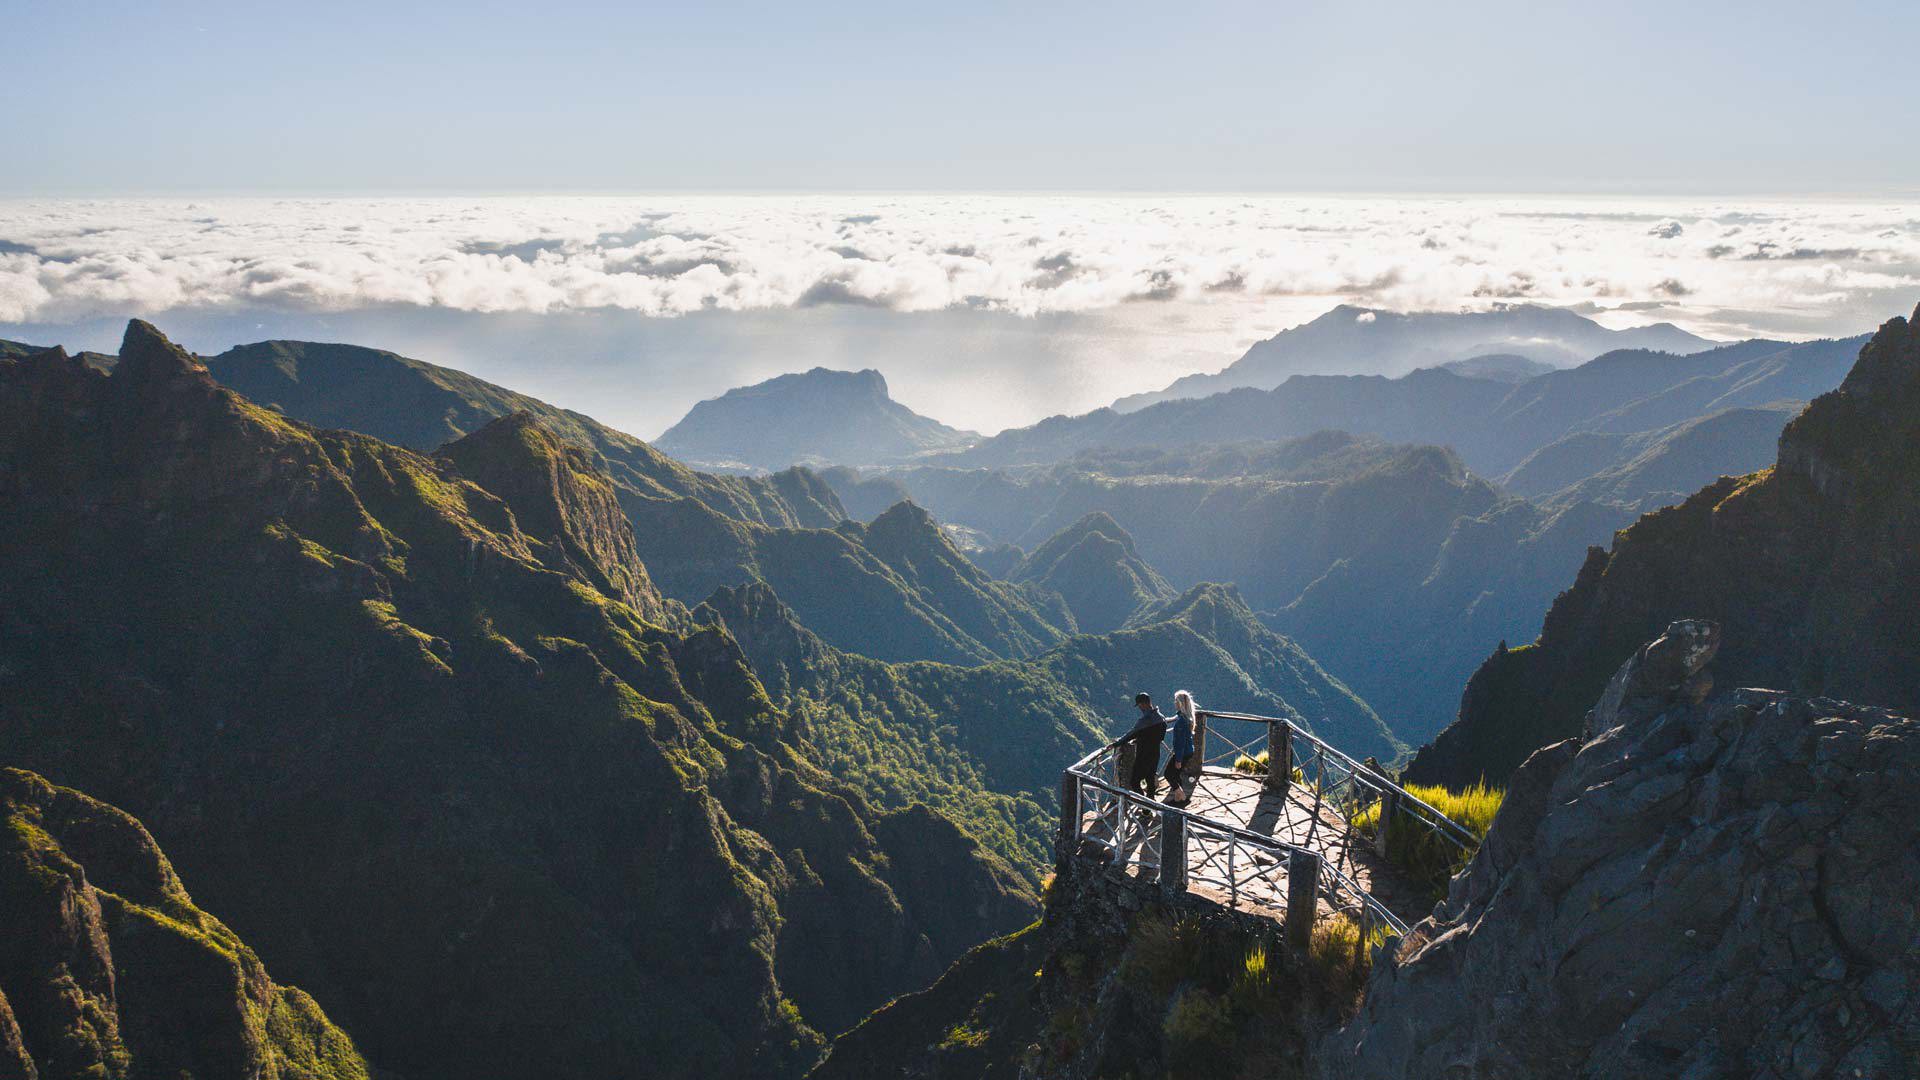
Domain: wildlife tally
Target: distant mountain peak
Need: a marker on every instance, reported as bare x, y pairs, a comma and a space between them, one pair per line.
818, 416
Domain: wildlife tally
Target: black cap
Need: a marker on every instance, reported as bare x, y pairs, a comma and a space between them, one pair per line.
1143, 698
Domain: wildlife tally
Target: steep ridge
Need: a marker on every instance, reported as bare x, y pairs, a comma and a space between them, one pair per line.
981, 744
1814, 561
498, 821
1391, 342
694, 532
423, 406
108, 970
894, 590
1685, 887
811, 417
1005, 617
556, 492
1608, 392
1092, 564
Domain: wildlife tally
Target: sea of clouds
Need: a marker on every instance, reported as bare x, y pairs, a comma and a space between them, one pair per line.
1133, 274
66, 260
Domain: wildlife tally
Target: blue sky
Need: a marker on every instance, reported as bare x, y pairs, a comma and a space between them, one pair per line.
472, 97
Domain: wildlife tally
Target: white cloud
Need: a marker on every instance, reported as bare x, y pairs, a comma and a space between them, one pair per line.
68, 260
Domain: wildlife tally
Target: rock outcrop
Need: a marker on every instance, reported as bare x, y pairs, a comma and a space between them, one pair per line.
559, 497
108, 970
1693, 887
1815, 561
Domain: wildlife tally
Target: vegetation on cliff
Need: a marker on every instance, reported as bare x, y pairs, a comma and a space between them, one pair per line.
108, 969
420, 744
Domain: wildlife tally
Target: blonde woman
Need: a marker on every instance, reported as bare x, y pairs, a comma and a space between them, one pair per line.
1178, 765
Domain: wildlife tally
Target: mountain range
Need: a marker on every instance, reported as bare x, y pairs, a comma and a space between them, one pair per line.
1813, 559
807, 418
1374, 341
1394, 566
1494, 424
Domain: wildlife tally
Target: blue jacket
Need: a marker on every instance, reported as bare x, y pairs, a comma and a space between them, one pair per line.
1182, 736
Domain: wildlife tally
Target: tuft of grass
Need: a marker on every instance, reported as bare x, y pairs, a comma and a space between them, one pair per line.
1417, 851
1260, 764
1339, 967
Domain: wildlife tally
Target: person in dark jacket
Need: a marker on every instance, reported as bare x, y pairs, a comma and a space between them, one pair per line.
1146, 737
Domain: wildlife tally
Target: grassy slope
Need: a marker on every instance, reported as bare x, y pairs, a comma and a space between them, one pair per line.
111, 970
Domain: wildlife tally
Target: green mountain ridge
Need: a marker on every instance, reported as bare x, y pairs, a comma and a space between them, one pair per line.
497, 819
1092, 564
108, 969
423, 406
1650, 469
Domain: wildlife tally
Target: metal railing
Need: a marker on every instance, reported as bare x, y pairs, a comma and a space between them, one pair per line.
1347, 786
1183, 850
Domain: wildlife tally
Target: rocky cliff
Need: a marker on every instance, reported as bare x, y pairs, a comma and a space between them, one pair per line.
1815, 561
108, 970
1691, 886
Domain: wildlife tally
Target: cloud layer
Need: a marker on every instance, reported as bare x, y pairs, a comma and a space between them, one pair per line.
1721, 267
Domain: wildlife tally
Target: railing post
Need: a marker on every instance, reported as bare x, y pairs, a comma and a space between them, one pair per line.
1069, 820
1279, 757
1303, 896
1123, 756
1389, 809
1173, 853
1366, 931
